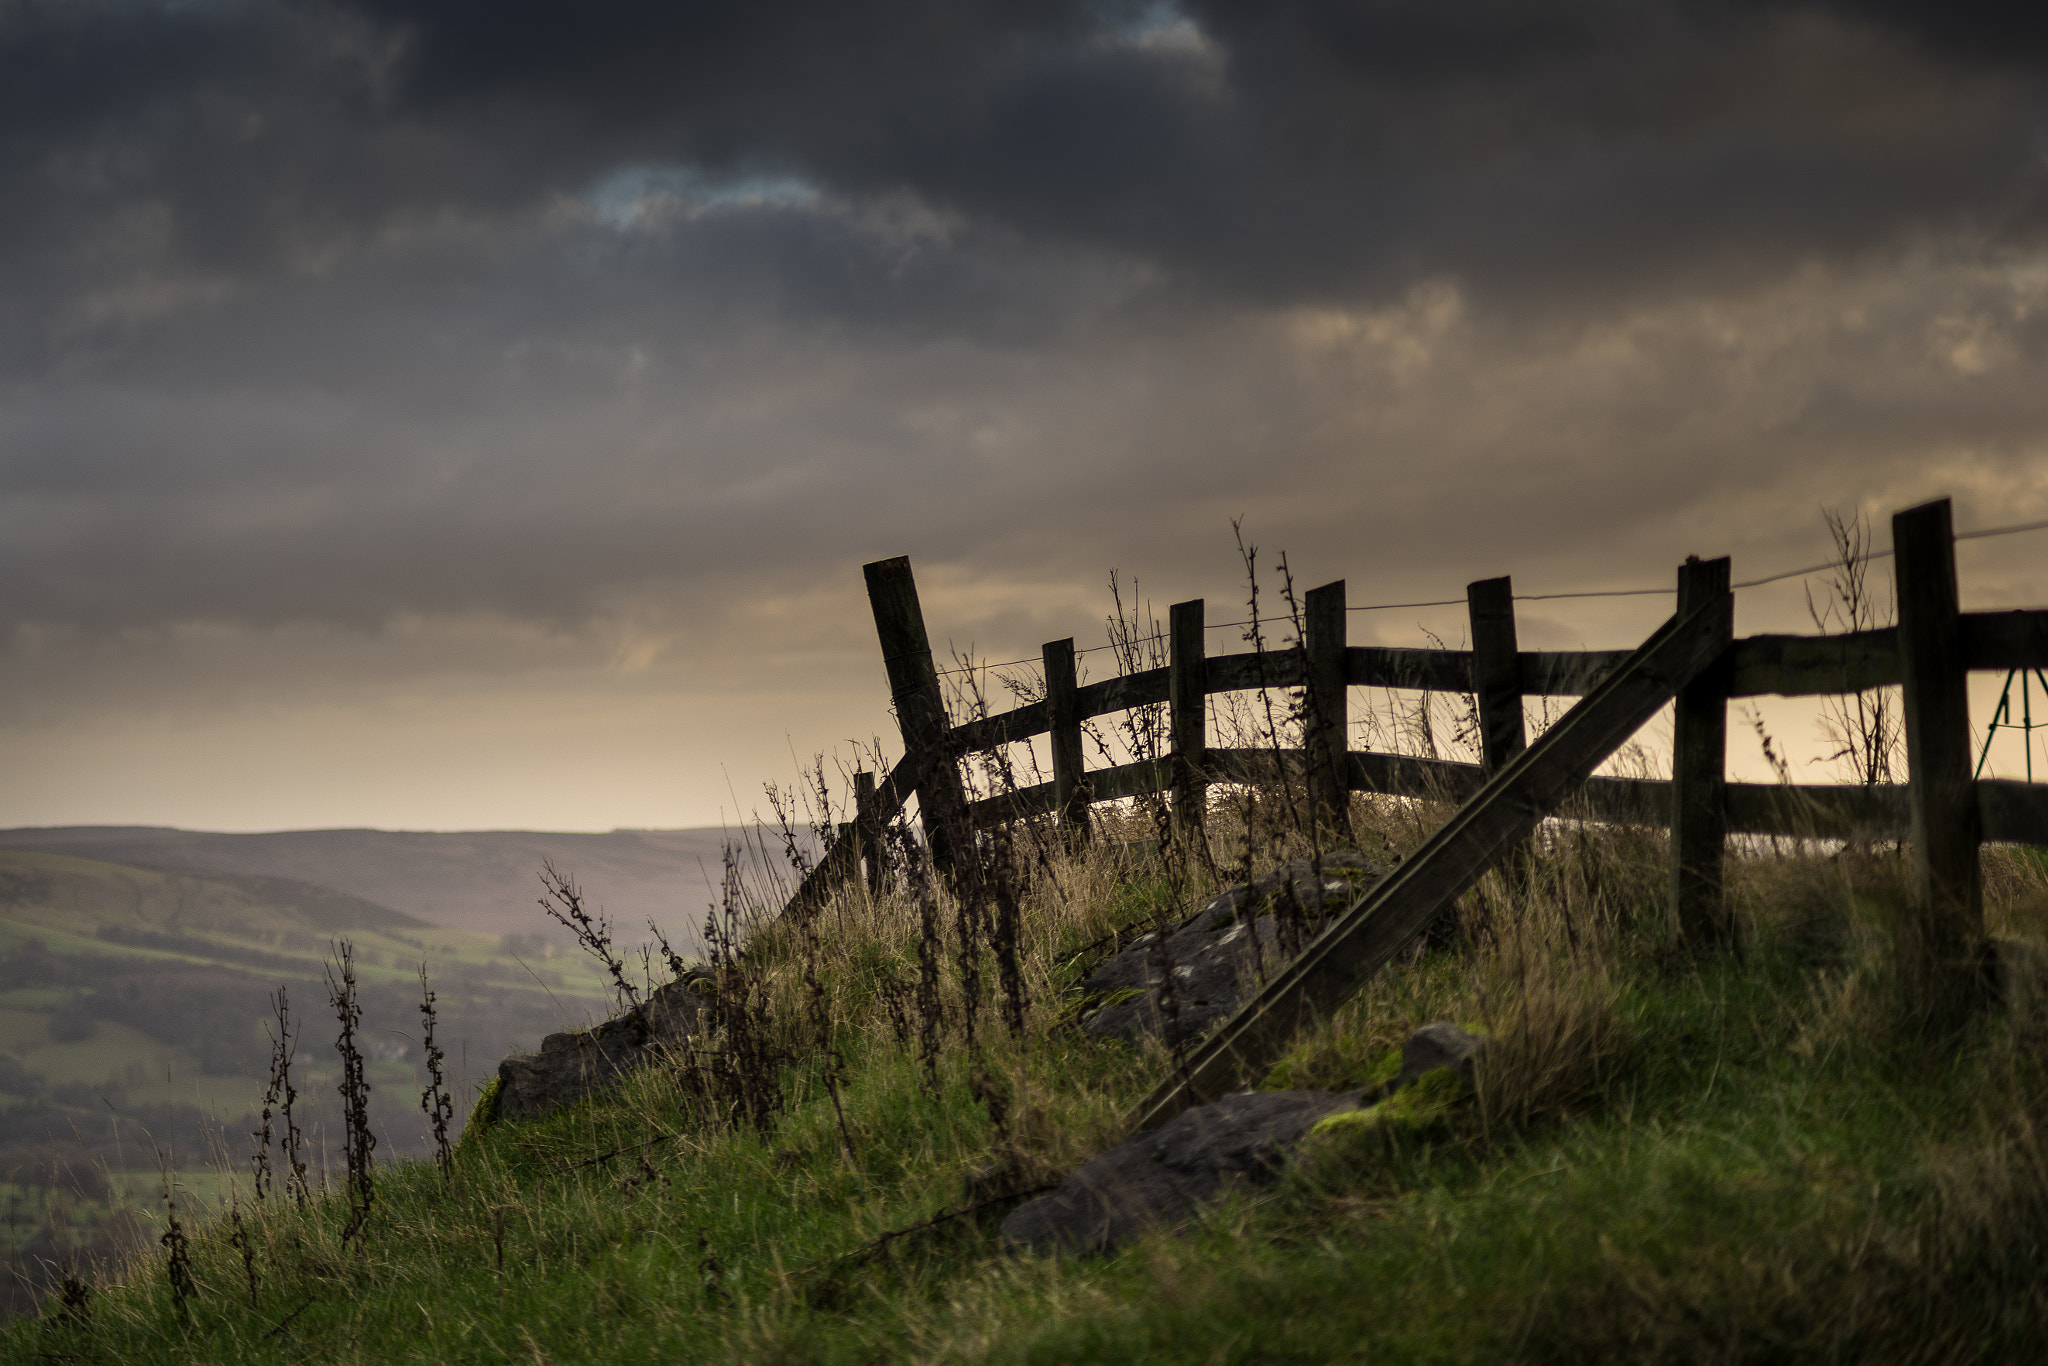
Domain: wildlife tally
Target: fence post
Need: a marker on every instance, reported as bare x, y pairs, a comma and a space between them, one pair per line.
920, 709
1699, 767
1497, 692
867, 826
1941, 946
1187, 699
1496, 671
1329, 712
1069, 782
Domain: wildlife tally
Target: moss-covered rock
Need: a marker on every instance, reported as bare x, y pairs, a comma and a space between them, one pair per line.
482, 1115
1410, 1119
1373, 1074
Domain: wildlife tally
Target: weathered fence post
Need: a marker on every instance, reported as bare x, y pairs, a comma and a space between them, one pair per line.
1187, 700
1497, 691
1941, 944
1069, 782
1329, 714
867, 828
1699, 766
1496, 671
920, 709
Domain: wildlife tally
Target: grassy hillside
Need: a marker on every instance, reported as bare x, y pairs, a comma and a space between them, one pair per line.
1756, 1155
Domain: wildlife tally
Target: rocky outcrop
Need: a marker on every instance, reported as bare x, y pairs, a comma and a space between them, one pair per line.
1218, 955
575, 1064
1163, 1179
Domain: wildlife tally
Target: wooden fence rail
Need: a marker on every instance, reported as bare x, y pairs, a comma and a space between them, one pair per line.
1941, 811
1762, 665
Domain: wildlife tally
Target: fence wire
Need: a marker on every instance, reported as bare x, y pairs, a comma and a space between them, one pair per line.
1985, 534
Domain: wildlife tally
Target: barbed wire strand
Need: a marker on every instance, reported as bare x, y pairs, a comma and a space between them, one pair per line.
1985, 534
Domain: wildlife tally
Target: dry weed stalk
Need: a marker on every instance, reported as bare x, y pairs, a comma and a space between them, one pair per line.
358, 1142
1866, 727
178, 1247
74, 1299
435, 1102
563, 902
281, 1094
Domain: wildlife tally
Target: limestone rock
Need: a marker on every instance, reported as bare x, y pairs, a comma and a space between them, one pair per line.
1163, 1179
1219, 954
575, 1064
1438, 1045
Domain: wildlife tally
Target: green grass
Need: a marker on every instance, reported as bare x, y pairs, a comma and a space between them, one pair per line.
1742, 1159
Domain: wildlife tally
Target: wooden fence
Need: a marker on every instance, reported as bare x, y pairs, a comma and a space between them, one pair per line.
1693, 661
1498, 676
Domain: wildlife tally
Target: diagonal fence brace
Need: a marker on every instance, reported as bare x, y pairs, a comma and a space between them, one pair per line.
841, 858
1376, 927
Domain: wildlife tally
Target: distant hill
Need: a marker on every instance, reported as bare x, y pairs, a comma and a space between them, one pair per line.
483, 880
72, 888
134, 1011
275, 925
110, 975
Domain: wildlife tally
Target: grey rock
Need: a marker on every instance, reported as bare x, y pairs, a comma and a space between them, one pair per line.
1438, 1045
575, 1064
1220, 953
1163, 1179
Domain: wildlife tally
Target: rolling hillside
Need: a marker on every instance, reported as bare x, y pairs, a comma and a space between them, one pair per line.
136, 1016
475, 880
189, 960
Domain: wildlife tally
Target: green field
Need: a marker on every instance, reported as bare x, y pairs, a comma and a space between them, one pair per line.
74, 905
104, 924
134, 1010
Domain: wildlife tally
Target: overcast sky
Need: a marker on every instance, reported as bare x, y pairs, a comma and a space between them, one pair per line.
477, 413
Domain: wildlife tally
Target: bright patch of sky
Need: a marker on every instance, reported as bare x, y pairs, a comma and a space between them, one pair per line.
644, 196
1161, 26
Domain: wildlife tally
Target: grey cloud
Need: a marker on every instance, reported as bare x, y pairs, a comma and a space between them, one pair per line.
1280, 151
310, 313
1309, 149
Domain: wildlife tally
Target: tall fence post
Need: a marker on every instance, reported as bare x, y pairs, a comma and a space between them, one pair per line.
1496, 671
1699, 766
1187, 700
1941, 946
1329, 712
1069, 782
1497, 691
920, 708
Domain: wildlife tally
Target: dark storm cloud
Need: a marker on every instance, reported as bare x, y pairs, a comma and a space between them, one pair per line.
1989, 31
1304, 149
1301, 148
337, 310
